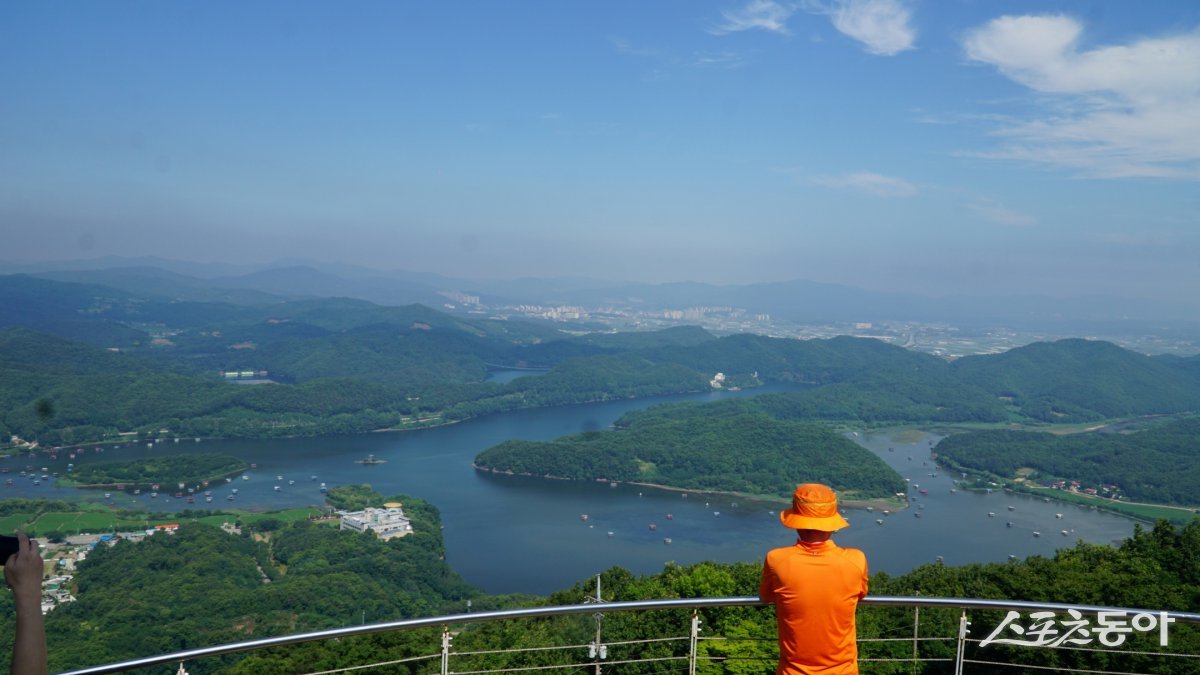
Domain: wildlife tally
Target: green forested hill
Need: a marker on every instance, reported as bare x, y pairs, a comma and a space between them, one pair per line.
746, 452
1081, 380
202, 586
809, 361
1158, 464
348, 365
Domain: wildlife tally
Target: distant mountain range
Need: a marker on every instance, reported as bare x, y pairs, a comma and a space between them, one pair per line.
798, 300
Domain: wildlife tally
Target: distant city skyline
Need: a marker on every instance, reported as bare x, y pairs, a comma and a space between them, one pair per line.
949, 148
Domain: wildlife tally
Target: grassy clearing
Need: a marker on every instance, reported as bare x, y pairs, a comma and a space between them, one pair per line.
906, 436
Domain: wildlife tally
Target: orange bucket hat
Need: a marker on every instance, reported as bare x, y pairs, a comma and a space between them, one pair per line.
814, 507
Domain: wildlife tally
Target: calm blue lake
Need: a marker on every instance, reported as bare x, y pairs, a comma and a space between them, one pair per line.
513, 534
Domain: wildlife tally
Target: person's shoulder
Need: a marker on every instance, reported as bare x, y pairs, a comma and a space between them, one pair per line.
855, 555
782, 550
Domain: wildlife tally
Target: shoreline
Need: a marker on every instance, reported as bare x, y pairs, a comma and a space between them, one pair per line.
894, 503
415, 427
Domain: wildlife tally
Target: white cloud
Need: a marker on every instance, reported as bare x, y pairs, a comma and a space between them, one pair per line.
871, 183
990, 209
765, 14
882, 26
1116, 111
726, 59
626, 47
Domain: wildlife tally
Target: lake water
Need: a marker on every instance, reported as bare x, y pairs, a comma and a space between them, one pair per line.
514, 534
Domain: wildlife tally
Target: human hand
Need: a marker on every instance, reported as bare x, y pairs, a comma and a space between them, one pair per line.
24, 570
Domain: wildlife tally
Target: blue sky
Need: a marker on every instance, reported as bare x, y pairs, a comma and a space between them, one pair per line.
935, 147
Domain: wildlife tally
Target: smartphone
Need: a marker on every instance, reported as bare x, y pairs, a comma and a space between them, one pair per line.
8, 546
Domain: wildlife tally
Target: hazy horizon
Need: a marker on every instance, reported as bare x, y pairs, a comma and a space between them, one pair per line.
888, 145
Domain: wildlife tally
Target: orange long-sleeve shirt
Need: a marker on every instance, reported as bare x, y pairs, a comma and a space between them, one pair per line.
816, 589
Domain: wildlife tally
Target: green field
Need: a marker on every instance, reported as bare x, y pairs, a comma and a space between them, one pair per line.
287, 516
13, 523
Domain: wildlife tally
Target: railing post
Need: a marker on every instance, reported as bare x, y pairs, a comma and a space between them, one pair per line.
693, 639
916, 633
597, 650
446, 650
962, 643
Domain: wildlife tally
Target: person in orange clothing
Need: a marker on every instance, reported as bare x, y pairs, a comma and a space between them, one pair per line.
815, 586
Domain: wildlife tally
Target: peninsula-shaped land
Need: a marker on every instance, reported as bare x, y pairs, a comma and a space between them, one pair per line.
166, 470
1156, 463
746, 452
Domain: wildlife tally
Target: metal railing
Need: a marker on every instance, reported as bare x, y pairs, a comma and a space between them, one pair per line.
695, 656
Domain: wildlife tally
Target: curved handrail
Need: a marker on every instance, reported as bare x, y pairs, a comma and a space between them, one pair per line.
621, 606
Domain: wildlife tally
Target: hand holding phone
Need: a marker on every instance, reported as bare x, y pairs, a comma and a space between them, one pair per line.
8, 546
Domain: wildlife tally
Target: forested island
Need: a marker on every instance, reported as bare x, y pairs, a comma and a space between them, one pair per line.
714, 447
